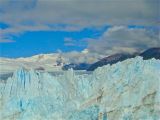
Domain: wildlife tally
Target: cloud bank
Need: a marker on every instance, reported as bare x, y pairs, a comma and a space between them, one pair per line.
76, 15
116, 39
124, 39
72, 15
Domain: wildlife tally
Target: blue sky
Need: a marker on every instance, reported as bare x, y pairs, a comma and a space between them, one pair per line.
32, 43
31, 27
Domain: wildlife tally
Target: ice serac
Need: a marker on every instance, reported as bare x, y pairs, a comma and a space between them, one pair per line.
128, 90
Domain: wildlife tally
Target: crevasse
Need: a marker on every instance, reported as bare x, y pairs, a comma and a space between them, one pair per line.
128, 90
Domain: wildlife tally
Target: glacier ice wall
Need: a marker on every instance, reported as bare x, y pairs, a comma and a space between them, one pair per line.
128, 90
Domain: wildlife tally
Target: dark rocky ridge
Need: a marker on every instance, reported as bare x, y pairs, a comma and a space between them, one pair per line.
81, 66
151, 53
110, 60
147, 54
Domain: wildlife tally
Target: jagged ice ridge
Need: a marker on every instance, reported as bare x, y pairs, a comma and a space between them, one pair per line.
128, 90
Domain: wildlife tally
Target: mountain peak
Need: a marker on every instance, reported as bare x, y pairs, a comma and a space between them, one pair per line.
151, 53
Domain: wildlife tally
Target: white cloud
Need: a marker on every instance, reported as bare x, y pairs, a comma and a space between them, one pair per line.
74, 15
123, 39
71, 15
6, 41
70, 42
80, 12
81, 57
117, 39
4, 38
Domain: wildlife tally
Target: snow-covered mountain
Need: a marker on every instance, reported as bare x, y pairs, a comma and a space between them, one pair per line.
58, 61
127, 90
49, 62
112, 59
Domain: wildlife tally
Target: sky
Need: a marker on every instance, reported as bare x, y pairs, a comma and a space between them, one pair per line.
100, 27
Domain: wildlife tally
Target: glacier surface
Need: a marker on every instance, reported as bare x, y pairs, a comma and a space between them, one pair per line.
128, 90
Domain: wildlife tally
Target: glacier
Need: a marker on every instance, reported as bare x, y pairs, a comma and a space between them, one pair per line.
128, 90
